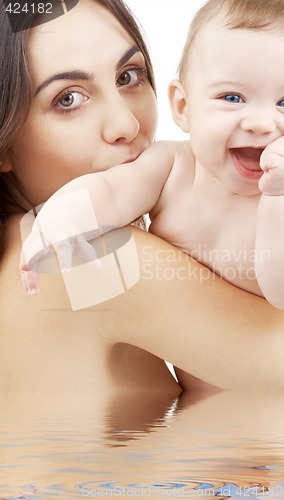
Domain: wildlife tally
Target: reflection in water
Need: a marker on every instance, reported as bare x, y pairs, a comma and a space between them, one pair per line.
139, 445
132, 415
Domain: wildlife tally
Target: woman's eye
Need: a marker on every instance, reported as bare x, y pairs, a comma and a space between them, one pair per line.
71, 100
132, 77
234, 98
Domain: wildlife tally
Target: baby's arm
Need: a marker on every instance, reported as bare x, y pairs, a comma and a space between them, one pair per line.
269, 259
94, 204
131, 189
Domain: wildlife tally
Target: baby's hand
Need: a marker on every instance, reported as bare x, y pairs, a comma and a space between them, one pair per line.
62, 228
272, 163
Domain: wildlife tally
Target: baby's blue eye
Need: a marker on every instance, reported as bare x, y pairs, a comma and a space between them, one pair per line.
234, 98
281, 103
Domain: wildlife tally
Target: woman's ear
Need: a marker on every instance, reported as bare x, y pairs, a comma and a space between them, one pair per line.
177, 98
5, 165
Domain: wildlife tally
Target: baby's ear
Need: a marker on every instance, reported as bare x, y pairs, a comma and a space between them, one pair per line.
177, 98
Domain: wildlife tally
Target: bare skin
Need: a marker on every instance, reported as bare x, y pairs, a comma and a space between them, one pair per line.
234, 165
201, 184
198, 322
56, 349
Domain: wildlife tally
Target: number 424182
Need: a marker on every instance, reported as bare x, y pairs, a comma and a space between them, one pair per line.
40, 8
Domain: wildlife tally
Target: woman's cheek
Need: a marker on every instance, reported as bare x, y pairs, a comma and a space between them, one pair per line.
148, 114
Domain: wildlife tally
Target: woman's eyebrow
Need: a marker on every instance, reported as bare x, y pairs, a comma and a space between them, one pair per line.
127, 55
82, 75
66, 75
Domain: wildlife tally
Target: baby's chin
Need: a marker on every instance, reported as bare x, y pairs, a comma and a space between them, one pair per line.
240, 186
243, 188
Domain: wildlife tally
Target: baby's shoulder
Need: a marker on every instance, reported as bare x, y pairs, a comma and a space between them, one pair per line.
181, 176
184, 161
184, 152
178, 152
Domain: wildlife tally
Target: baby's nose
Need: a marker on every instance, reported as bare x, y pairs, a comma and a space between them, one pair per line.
259, 122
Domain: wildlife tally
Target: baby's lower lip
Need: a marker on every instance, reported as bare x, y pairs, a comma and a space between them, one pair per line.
246, 162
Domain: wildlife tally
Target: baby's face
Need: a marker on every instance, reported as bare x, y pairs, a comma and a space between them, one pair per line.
235, 101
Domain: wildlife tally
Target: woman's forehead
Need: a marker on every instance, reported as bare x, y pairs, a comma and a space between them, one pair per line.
87, 32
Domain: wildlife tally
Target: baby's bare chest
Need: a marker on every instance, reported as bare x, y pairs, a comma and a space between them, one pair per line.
219, 235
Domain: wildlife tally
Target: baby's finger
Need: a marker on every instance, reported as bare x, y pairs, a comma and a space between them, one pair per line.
271, 160
29, 278
33, 250
64, 252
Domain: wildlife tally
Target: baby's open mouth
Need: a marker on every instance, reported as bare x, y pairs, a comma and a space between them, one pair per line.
246, 161
249, 158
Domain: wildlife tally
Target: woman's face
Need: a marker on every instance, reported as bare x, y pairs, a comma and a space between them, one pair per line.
93, 105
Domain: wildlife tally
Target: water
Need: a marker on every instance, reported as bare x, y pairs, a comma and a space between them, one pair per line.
141, 445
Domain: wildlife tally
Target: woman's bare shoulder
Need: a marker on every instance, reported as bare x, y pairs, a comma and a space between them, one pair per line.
12, 291
48, 311
45, 343
53, 297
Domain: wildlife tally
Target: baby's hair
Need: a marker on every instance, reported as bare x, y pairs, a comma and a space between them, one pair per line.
237, 14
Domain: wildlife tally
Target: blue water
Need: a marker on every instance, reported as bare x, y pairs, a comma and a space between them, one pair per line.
224, 446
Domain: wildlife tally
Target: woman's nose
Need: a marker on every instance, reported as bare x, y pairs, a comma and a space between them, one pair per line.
120, 124
259, 122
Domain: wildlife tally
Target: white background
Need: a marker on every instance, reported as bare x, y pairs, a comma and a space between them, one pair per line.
165, 24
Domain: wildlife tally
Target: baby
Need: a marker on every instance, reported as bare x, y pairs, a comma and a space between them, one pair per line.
219, 197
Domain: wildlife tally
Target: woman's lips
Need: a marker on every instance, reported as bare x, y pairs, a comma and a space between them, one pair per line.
246, 161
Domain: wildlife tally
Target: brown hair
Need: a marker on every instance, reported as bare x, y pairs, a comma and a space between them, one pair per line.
16, 91
244, 14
